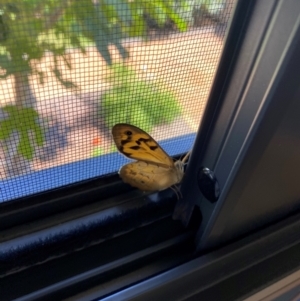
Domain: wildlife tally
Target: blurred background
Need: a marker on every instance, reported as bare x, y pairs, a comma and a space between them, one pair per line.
71, 69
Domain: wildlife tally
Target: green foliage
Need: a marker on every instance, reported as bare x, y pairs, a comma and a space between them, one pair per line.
23, 28
24, 121
136, 101
28, 28
185, 9
108, 21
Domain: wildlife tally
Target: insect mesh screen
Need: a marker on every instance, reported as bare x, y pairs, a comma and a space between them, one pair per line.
70, 70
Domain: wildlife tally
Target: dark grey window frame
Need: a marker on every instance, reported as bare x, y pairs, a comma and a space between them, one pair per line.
241, 137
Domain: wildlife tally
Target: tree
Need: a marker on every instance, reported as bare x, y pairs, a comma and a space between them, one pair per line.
24, 23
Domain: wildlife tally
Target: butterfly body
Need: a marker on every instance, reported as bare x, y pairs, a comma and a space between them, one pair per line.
154, 169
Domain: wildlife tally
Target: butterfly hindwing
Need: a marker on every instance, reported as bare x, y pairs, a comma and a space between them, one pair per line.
149, 176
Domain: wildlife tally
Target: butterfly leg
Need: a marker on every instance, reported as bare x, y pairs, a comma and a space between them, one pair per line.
177, 191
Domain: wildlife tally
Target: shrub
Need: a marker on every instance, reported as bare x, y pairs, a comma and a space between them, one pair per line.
137, 102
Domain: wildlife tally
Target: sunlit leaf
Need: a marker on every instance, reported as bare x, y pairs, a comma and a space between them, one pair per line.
25, 148
24, 121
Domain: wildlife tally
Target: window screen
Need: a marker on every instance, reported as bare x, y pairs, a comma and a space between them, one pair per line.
70, 70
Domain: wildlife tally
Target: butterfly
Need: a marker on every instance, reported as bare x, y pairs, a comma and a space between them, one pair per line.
154, 169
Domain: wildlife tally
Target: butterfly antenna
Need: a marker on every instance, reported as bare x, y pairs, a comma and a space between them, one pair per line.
185, 158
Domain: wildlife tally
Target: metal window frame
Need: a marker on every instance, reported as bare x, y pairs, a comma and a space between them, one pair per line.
230, 273
256, 96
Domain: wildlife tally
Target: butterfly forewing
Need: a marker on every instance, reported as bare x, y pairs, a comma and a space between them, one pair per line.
136, 144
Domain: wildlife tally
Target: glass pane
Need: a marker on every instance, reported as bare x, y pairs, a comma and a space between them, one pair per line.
70, 70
